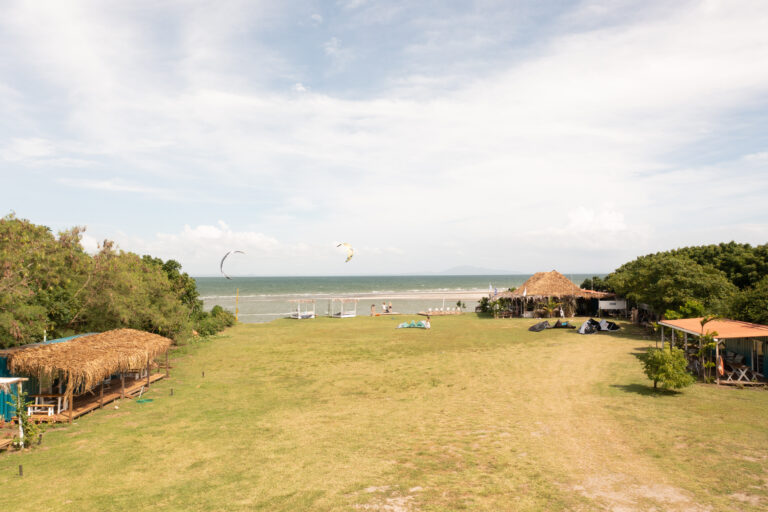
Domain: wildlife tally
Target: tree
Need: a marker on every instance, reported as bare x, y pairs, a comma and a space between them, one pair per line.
751, 305
596, 283
742, 264
707, 344
549, 307
666, 282
41, 280
668, 367
691, 309
49, 283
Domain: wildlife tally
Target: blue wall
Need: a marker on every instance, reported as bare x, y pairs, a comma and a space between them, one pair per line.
6, 409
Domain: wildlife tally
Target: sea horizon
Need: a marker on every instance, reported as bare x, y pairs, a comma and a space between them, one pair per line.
265, 298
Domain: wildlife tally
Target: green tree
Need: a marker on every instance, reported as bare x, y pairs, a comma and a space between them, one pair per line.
742, 264
751, 305
549, 307
707, 344
668, 367
667, 282
596, 283
128, 291
42, 278
691, 309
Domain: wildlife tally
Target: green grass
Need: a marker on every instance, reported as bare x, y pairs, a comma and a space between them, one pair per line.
352, 414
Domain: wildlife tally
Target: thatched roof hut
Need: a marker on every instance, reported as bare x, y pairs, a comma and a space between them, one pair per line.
86, 360
536, 293
550, 284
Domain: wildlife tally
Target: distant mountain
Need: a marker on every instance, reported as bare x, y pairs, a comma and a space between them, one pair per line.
468, 270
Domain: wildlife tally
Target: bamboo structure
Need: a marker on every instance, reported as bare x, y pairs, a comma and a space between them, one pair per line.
542, 287
84, 361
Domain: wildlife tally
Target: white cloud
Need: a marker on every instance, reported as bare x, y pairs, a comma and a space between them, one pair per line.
117, 185
485, 163
26, 149
316, 18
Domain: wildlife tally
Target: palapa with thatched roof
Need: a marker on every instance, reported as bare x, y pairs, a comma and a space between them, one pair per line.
547, 291
85, 361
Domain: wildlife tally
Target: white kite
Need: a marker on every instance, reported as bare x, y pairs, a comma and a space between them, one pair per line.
350, 251
221, 265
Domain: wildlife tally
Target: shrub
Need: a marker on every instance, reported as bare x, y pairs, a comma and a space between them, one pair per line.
668, 367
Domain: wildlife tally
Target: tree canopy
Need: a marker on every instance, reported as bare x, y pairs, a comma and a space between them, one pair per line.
667, 282
49, 283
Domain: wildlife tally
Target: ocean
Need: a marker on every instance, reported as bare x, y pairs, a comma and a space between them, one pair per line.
266, 298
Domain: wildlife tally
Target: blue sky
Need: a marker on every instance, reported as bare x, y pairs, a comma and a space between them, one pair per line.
510, 135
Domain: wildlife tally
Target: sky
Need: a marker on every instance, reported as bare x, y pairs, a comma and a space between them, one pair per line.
524, 136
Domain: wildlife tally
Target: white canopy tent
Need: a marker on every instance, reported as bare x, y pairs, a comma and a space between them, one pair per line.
342, 310
302, 309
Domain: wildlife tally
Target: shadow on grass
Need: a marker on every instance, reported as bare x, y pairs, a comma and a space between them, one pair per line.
645, 390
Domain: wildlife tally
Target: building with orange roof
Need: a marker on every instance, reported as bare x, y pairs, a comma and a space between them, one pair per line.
744, 339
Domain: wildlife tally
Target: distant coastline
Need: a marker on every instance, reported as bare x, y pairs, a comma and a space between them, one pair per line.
262, 299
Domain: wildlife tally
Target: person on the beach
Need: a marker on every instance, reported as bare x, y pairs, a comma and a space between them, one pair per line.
389, 307
384, 307
373, 309
427, 325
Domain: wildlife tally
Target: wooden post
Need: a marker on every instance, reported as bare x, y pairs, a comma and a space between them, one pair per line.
662, 337
71, 403
148, 364
122, 385
21, 427
167, 365
101, 395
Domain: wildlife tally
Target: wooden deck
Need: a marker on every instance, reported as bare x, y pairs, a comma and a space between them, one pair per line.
92, 400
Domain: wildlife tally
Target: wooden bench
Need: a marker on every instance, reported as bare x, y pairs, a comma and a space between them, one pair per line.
32, 408
5, 443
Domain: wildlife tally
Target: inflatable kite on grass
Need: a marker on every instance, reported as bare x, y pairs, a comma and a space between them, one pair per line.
350, 251
221, 265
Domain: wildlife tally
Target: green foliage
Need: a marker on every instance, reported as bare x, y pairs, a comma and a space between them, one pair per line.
208, 323
668, 282
668, 367
50, 283
30, 428
691, 309
484, 305
743, 264
596, 283
41, 280
548, 308
751, 305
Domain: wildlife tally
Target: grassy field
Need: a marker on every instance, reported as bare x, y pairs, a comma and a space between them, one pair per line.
475, 414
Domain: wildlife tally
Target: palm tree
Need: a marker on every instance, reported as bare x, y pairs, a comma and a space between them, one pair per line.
549, 307
706, 345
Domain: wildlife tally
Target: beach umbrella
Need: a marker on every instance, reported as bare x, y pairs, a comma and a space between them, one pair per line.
349, 249
221, 265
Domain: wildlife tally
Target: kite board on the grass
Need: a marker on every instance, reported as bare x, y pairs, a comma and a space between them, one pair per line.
413, 325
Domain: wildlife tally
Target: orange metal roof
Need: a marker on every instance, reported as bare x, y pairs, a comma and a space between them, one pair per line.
724, 327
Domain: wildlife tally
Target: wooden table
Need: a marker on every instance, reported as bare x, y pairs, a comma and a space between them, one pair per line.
40, 401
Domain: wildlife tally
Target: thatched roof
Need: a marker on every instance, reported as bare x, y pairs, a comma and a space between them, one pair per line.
89, 359
549, 284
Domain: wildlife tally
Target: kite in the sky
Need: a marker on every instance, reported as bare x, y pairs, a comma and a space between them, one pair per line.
221, 265
350, 251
